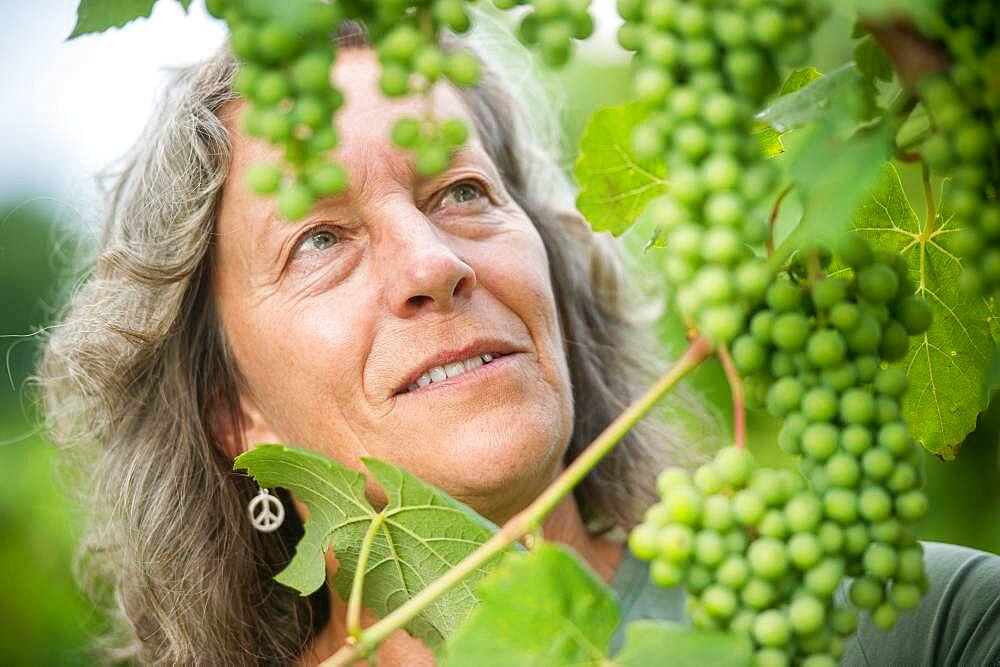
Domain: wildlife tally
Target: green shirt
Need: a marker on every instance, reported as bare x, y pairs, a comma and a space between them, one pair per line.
956, 624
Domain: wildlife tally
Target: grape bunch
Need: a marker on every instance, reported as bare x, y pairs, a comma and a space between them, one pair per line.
287, 52
552, 25
764, 551
760, 554
705, 68
964, 104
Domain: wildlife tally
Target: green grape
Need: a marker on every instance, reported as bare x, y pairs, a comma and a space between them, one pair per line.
406, 132
757, 593
895, 437
911, 506
854, 250
910, 568
642, 541
462, 69
891, 381
790, 331
773, 524
895, 341
856, 539
771, 628
719, 601
295, 202
328, 179
734, 465
819, 404
707, 480
789, 438
841, 505
845, 316
806, 615
880, 560
843, 469
666, 573
311, 72
264, 178
394, 81
276, 42
698, 578
857, 406
829, 292
866, 336
878, 283
905, 596
767, 558
826, 348
866, 593
675, 542
760, 326
783, 296
734, 572
831, 537
824, 579
748, 507
914, 313
670, 478
819, 441
839, 377
884, 616
877, 463
709, 549
843, 620
684, 504
804, 550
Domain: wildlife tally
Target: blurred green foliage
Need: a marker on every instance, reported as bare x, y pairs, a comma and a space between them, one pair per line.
46, 620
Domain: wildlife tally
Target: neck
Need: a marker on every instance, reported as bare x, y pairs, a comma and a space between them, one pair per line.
563, 525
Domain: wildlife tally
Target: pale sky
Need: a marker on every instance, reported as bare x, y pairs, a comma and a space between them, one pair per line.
71, 108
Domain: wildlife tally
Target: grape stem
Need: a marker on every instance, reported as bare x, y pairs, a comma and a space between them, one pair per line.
530, 518
775, 209
357, 585
912, 55
739, 403
925, 174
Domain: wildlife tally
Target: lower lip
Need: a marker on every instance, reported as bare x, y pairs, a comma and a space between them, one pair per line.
484, 372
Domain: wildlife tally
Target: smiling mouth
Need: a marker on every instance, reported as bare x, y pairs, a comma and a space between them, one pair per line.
439, 374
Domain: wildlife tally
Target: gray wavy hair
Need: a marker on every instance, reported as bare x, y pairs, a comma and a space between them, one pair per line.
138, 383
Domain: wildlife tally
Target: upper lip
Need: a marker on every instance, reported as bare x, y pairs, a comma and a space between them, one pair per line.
478, 347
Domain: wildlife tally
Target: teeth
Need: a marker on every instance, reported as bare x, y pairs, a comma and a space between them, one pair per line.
451, 370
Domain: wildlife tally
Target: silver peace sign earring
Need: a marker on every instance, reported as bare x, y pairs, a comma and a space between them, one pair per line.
266, 512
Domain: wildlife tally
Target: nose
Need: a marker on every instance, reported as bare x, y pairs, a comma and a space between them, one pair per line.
422, 269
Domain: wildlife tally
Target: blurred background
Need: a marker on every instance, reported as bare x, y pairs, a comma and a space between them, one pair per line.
72, 108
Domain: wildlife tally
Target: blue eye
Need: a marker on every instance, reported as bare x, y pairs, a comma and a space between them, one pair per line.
462, 192
319, 240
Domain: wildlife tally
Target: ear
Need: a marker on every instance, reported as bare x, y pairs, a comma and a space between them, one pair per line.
239, 432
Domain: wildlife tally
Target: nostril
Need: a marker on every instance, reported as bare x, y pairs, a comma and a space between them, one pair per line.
418, 300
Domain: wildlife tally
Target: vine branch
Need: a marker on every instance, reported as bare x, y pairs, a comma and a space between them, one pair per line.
739, 403
773, 218
357, 585
912, 55
531, 517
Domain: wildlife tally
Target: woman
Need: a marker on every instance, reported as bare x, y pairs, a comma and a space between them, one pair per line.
209, 325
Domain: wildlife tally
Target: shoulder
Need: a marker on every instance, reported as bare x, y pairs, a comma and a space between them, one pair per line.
956, 623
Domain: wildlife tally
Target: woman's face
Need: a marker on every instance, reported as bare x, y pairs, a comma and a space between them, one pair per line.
331, 318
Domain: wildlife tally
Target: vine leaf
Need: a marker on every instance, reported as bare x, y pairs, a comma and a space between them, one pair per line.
770, 138
540, 608
662, 643
804, 98
833, 170
424, 533
947, 365
99, 15
615, 185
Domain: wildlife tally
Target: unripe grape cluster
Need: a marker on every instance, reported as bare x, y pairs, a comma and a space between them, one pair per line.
552, 25
764, 551
287, 51
964, 105
705, 68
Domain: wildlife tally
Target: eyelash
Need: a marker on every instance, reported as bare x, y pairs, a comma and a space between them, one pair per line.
475, 183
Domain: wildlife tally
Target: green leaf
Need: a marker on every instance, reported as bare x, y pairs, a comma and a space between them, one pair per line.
615, 185
812, 99
541, 608
656, 643
947, 365
833, 170
99, 15
871, 60
424, 533
770, 138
